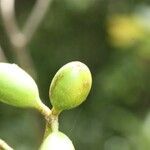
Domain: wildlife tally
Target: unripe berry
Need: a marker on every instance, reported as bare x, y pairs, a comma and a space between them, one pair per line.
57, 141
70, 86
17, 88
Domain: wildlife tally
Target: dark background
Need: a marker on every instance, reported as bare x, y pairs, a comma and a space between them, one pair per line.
112, 37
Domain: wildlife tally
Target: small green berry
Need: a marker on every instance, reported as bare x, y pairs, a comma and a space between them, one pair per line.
17, 88
57, 141
70, 86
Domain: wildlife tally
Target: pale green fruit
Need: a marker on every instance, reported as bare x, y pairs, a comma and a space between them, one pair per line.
17, 88
70, 86
57, 141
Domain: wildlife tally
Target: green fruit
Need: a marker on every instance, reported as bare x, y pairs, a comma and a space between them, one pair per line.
57, 141
70, 86
17, 88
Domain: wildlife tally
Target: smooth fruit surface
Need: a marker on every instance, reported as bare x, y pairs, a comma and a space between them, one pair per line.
17, 88
57, 141
70, 86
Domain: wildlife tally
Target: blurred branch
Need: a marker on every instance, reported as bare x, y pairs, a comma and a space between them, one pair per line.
2, 55
4, 145
39, 10
19, 39
10, 23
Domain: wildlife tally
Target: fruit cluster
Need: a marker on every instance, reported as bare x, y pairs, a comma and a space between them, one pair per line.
68, 89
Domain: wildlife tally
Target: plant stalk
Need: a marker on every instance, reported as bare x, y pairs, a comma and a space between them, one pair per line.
52, 124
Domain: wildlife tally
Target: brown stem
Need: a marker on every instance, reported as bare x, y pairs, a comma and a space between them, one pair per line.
52, 124
44, 110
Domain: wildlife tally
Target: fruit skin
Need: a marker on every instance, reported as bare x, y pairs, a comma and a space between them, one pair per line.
17, 88
57, 141
70, 86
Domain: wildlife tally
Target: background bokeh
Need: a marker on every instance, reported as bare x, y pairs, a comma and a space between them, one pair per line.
113, 38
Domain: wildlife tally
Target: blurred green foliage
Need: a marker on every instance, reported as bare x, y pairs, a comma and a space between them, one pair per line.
112, 38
